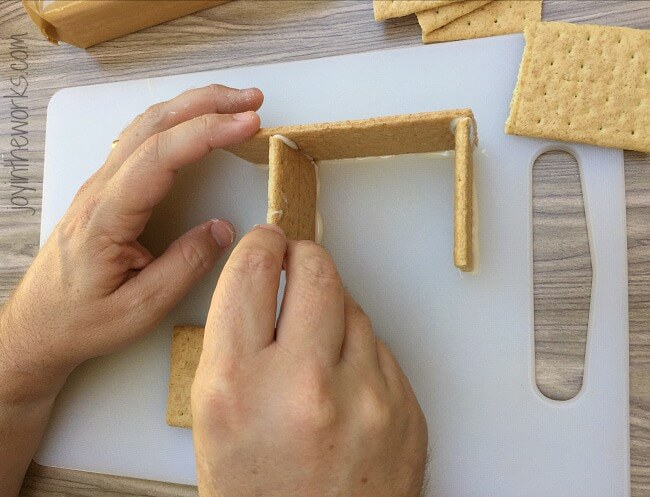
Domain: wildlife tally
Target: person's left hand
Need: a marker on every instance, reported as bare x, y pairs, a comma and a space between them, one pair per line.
93, 287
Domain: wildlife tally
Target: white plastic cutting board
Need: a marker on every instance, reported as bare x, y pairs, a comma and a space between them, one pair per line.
465, 341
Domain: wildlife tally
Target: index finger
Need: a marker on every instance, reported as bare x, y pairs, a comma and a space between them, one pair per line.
242, 313
124, 205
211, 99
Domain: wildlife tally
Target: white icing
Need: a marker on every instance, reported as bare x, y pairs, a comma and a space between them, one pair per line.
275, 215
472, 131
444, 154
318, 236
453, 124
288, 142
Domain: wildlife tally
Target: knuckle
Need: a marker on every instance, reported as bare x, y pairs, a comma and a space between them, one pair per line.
216, 402
216, 89
359, 320
150, 150
88, 208
201, 124
319, 269
154, 113
377, 412
252, 260
196, 254
316, 411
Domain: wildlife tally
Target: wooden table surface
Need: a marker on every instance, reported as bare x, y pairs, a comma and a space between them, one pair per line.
246, 33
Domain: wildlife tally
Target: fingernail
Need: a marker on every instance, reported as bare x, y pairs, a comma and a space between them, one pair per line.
244, 116
270, 227
223, 232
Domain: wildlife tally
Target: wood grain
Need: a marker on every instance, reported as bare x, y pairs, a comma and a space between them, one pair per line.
562, 275
245, 33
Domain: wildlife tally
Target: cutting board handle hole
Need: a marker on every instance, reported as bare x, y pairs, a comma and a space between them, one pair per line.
562, 275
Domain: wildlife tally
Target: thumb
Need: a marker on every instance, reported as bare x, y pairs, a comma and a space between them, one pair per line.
167, 279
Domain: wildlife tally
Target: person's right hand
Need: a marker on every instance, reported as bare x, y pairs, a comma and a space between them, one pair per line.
316, 406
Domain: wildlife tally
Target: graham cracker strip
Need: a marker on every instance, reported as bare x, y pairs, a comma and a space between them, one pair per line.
187, 343
393, 135
584, 83
495, 18
463, 196
430, 20
388, 9
292, 191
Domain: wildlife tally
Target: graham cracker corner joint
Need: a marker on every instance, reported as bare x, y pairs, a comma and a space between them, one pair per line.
291, 153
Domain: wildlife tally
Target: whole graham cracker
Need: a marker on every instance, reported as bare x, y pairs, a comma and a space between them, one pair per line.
388, 9
432, 19
392, 135
187, 343
463, 196
499, 17
584, 83
292, 191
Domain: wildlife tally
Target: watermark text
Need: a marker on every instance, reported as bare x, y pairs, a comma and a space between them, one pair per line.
16, 161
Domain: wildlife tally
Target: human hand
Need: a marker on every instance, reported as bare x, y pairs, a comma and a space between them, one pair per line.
316, 406
93, 287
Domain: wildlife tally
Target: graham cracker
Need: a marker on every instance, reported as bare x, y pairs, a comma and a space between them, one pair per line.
292, 191
432, 19
381, 136
463, 196
495, 18
187, 343
393, 135
584, 83
388, 9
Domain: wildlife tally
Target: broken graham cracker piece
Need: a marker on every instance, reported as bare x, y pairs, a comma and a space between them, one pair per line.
389, 9
187, 343
584, 83
292, 190
463, 196
498, 17
432, 19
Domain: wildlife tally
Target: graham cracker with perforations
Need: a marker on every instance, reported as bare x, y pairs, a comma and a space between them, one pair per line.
499, 17
292, 191
584, 83
432, 19
388, 9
